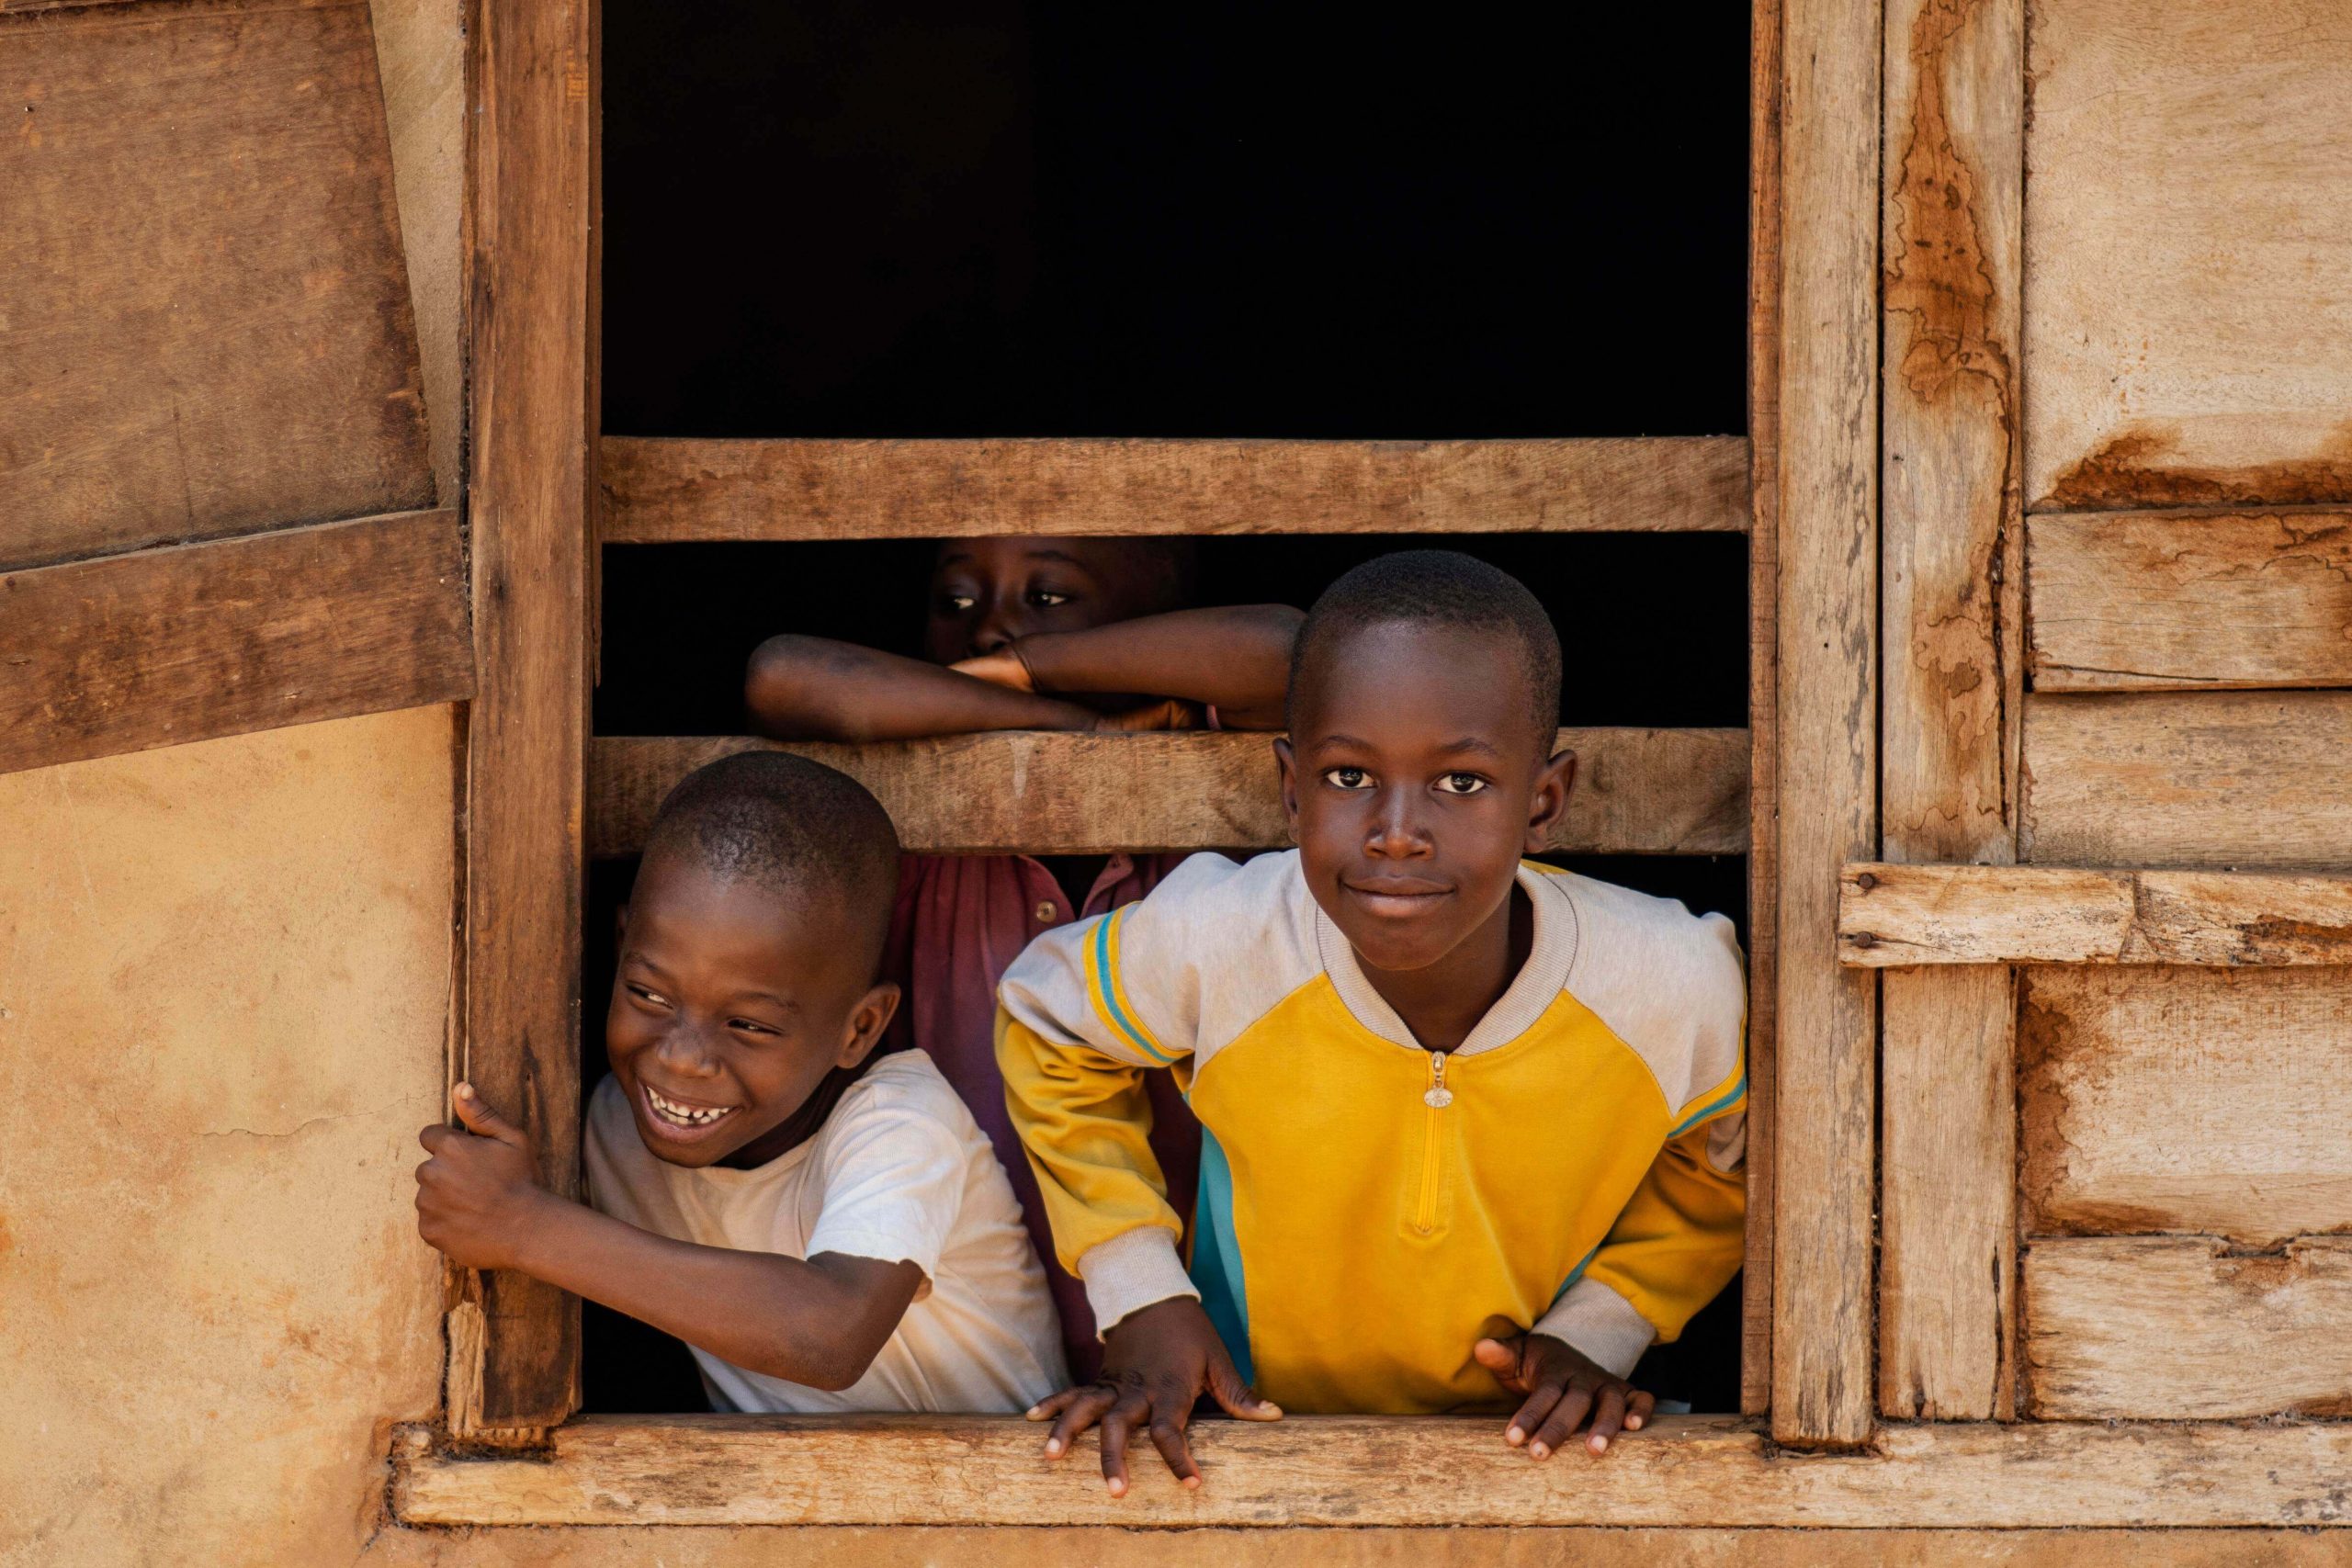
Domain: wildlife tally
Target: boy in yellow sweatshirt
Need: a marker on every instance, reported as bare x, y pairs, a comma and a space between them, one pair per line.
1473, 1128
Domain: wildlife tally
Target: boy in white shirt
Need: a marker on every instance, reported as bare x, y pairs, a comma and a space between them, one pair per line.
828, 1229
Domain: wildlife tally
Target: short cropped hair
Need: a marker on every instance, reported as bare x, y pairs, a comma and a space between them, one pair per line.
793, 826
1434, 588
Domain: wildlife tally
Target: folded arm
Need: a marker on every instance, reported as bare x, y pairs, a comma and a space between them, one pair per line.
1234, 659
811, 688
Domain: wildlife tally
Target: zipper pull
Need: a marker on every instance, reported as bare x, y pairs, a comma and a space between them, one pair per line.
1437, 1097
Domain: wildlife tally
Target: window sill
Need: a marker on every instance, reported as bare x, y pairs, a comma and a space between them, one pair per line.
1687, 1471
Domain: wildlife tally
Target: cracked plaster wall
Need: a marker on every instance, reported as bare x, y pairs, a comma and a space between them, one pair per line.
224, 976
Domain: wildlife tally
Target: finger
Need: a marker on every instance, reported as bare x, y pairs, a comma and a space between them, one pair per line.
1608, 1418
1168, 1437
1131, 1412
1531, 1414
1237, 1398
479, 1118
1502, 1358
433, 1137
1566, 1418
1085, 1409
1054, 1405
1638, 1408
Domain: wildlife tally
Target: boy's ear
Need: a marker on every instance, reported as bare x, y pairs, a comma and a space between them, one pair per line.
1553, 781
1287, 759
868, 1020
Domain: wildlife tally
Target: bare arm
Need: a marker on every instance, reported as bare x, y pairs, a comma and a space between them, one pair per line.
819, 1323
809, 688
1234, 659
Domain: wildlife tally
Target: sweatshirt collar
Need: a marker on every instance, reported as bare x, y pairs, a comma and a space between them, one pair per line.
1537, 985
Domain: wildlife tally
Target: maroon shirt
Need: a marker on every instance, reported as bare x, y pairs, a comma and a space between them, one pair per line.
960, 921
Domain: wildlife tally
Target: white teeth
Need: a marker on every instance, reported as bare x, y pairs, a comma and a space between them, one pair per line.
679, 1115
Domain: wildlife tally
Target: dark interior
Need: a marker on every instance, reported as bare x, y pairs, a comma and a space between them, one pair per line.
832, 220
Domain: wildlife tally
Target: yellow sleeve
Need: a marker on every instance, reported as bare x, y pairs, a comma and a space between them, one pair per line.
1074, 1037
1085, 1122
1675, 1245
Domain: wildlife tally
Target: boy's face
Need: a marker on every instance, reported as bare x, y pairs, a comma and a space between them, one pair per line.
1415, 782
731, 1005
986, 592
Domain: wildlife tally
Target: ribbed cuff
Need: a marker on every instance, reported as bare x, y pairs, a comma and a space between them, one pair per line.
1130, 1272
1603, 1324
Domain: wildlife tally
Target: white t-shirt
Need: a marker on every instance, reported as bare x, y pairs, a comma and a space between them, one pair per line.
898, 1171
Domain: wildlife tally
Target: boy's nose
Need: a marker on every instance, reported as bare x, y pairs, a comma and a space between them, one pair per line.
1396, 833
684, 1052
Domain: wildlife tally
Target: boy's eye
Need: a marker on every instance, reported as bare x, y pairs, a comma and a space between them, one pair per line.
647, 994
1347, 778
749, 1026
1461, 784
956, 604
1047, 598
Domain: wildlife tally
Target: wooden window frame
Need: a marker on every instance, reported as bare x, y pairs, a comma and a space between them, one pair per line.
1811, 1354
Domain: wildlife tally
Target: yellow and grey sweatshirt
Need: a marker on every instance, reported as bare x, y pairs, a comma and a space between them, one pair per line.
1369, 1208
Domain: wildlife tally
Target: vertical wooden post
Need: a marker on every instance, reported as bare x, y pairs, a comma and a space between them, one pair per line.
1952, 573
1763, 684
516, 1363
1825, 1097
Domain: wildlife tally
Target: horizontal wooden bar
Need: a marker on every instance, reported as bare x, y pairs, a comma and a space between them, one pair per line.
2242, 779
1895, 916
2149, 600
1637, 791
2203, 1100
2180, 1327
1359, 1471
670, 490
163, 647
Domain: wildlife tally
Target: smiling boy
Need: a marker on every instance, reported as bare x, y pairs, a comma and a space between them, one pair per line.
821, 1221
1473, 1128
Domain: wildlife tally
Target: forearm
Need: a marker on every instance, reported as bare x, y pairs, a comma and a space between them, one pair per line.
801, 1321
1234, 659
801, 688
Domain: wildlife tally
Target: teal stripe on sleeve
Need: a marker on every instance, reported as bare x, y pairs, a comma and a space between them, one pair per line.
1724, 1101
1110, 992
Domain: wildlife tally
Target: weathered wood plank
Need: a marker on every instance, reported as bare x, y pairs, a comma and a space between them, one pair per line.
2189, 309
2166, 1327
667, 490
208, 328
1638, 791
2186, 1100
186, 643
1901, 915
1826, 1038
528, 147
1949, 543
1763, 690
2188, 779
719, 1469
2149, 600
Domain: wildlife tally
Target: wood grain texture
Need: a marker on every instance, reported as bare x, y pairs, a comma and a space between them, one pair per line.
1825, 1037
718, 1470
208, 328
2214, 779
1905, 916
2150, 601
2189, 308
1638, 791
421, 46
1763, 692
661, 489
2174, 1327
527, 270
1950, 548
164, 647
2186, 1100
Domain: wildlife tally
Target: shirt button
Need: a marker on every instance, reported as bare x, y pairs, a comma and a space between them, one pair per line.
1048, 913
